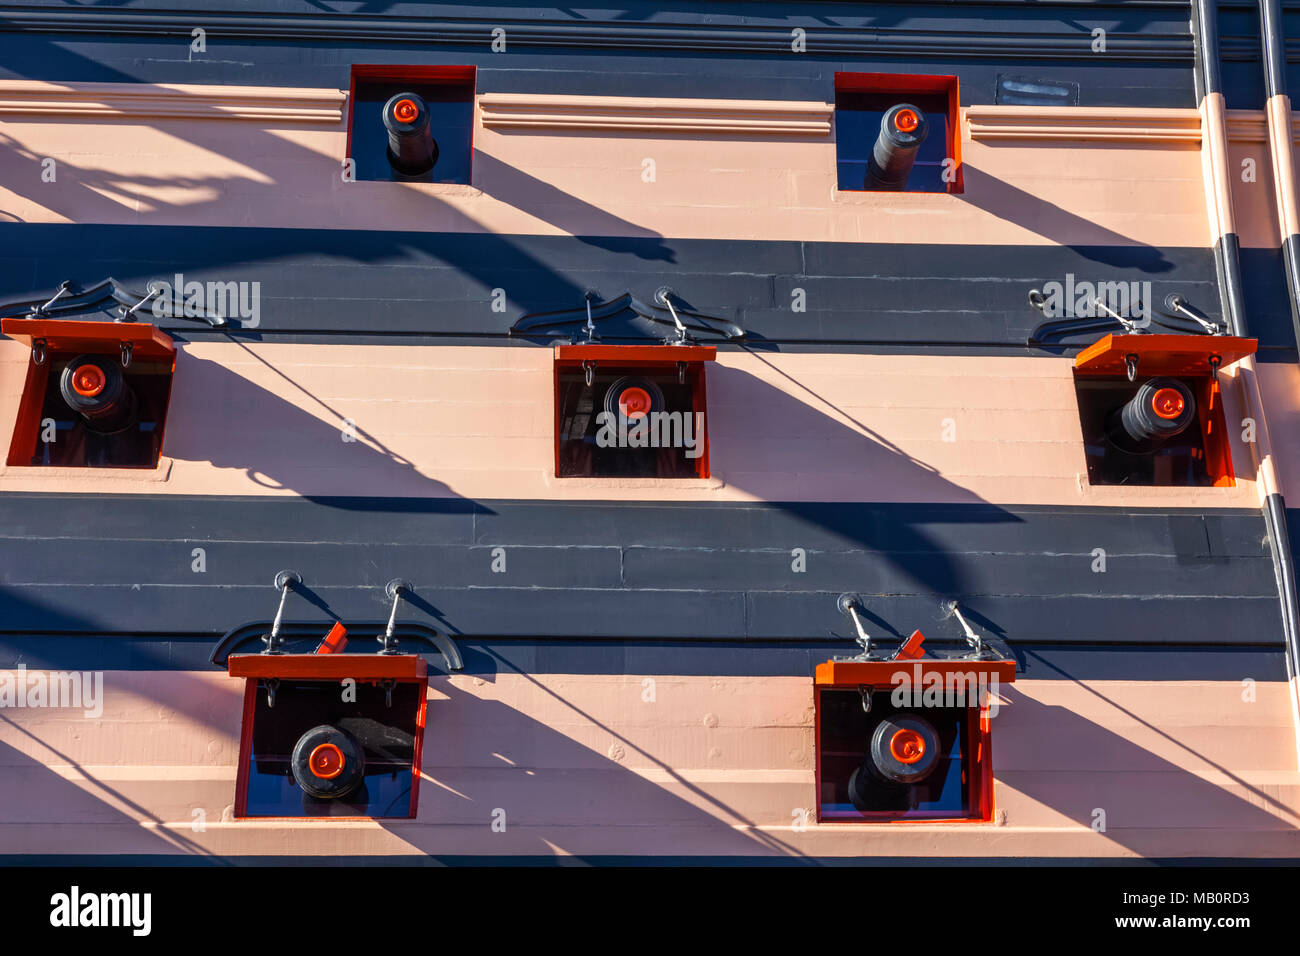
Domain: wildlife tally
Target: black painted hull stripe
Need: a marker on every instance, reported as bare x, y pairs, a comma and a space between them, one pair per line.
688, 571
717, 53
1291, 265
735, 659
438, 286
1205, 30
1273, 52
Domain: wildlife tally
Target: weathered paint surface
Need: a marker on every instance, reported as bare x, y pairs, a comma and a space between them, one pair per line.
896, 430
709, 767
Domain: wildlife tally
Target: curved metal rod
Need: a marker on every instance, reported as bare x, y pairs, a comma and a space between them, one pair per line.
1063, 327
1056, 329
67, 302
449, 649
254, 630
1181, 325
538, 321
1226, 245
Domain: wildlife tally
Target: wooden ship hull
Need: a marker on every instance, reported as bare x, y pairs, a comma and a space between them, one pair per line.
644, 663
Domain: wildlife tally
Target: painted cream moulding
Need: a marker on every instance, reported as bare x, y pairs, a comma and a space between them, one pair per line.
1251, 126
1076, 123
657, 115
144, 101
498, 110
1106, 124
505, 111
56, 475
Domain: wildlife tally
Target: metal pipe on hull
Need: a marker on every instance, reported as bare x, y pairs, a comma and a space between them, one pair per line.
1277, 109
1214, 150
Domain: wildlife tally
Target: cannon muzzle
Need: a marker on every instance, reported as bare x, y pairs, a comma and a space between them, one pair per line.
902, 131
1161, 409
412, 150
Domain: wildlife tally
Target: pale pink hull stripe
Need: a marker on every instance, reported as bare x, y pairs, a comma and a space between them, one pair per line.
1253, 182
478, 422
1283, 162
152, 166
583, 764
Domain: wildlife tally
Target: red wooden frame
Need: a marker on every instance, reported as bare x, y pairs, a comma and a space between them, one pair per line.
70, 337
1185, 357
245, 749
450, 75
665, 355
977, 745
904, 83
881, 673
1175, 355
404, 667
1214, 429
367, 668
654, 357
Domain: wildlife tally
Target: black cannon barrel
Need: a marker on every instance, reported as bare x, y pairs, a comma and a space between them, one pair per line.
902, 131
412, 150
93, 386
1161, 409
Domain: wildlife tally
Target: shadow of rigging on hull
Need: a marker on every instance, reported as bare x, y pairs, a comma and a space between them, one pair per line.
586, 223
58, 792
1015, 205
518, 767
290, 439
1061, 764
904, 541
498, 781
78, 798
813, 455
86, 195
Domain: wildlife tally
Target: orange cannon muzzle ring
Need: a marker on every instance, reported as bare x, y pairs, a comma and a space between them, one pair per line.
907, 746
89, 380
634, 402
327, 761
405, 111
907, 121
1168, 403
